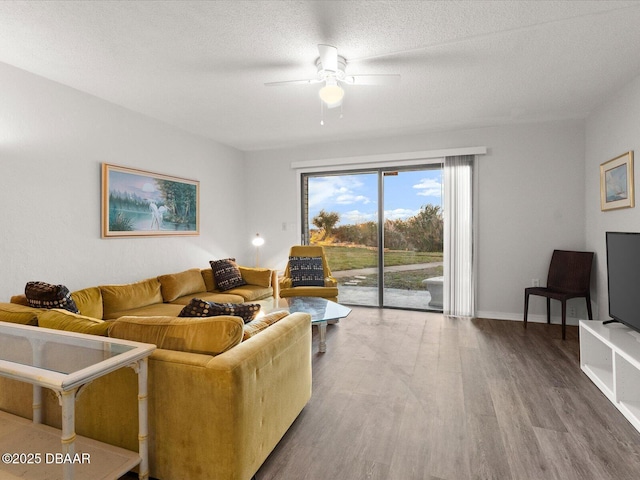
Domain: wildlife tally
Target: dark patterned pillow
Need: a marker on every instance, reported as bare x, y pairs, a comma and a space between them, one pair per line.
45, 295
226, 274
202, 308
306, 271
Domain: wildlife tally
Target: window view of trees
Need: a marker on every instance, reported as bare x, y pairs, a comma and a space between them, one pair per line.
421, 233
325, 221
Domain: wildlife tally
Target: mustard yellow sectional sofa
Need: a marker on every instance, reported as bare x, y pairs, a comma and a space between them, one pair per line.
168, 294
222, 393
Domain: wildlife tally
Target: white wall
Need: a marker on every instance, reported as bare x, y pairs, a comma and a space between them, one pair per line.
531, 200
53, 140
611, 130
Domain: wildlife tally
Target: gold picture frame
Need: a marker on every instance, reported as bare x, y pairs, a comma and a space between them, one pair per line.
616, 183
136, 203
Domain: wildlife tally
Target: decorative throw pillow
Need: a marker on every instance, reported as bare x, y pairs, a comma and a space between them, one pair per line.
306, 271
226, 274
202, 308
45, 295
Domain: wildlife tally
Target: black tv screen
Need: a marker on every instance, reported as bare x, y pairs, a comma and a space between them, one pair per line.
623, 276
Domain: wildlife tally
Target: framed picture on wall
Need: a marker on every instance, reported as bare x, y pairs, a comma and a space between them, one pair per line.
136, 203
616, 183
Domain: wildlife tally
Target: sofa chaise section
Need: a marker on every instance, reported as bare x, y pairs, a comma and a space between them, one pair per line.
211, 417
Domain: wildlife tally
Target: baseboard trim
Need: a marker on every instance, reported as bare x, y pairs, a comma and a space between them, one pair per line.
517, 317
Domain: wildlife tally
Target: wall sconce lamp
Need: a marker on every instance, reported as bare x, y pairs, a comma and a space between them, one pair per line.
257, 242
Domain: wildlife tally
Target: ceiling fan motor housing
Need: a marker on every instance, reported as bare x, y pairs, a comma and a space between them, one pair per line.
339, 74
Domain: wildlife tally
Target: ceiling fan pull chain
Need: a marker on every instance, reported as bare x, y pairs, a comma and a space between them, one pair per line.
321, 113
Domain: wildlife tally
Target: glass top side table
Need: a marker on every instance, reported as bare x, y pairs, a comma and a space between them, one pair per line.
65, 362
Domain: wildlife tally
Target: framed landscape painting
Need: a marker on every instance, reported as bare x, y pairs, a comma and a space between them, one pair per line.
616, 183
138, 203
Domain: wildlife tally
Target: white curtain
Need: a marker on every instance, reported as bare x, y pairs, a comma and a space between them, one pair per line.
459, 291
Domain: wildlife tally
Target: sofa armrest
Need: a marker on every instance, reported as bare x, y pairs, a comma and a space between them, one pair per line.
330, 282
285, 282
272, 370
275, 284
18, 313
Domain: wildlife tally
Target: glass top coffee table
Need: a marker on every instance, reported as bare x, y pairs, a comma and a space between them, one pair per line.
65, 362
322, 312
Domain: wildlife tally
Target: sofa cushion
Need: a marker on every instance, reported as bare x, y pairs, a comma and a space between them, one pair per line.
176, 285
120, 298
256, 276
209, 281
153, 310
306, 271
89, 301
259, 324
60, 319
218, 297
46, 295
249, 293
226, 274
16, 313
330, 293
20, 299
211, 335
201, 308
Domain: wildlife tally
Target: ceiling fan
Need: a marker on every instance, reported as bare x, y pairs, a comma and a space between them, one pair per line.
331, 71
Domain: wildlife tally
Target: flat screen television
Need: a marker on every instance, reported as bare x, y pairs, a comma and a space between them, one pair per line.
623, 277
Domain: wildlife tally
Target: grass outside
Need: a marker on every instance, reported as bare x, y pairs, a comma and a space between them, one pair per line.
349, 258
411, 280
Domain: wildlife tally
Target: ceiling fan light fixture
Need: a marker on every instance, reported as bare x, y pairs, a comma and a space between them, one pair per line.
331, 95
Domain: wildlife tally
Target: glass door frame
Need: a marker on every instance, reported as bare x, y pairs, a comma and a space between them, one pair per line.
427, 164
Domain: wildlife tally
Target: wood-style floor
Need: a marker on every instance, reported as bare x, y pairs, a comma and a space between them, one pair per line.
404, 395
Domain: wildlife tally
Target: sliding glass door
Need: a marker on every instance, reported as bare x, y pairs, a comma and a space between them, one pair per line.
342, 215
382, 232
413, 239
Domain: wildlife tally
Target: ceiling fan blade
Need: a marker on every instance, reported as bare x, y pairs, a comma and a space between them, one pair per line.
293, 82
328, 57
391, 79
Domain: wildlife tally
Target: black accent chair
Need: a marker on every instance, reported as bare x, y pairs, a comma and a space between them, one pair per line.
569, 277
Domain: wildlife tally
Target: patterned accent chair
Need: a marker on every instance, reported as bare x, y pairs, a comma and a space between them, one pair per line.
290, 286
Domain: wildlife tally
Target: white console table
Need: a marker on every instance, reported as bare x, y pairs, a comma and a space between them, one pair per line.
610, 357
66, 362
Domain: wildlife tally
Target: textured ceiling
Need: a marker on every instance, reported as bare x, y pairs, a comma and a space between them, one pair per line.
201, 65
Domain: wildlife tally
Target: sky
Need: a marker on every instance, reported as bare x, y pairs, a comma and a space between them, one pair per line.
354, 196
141, 185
